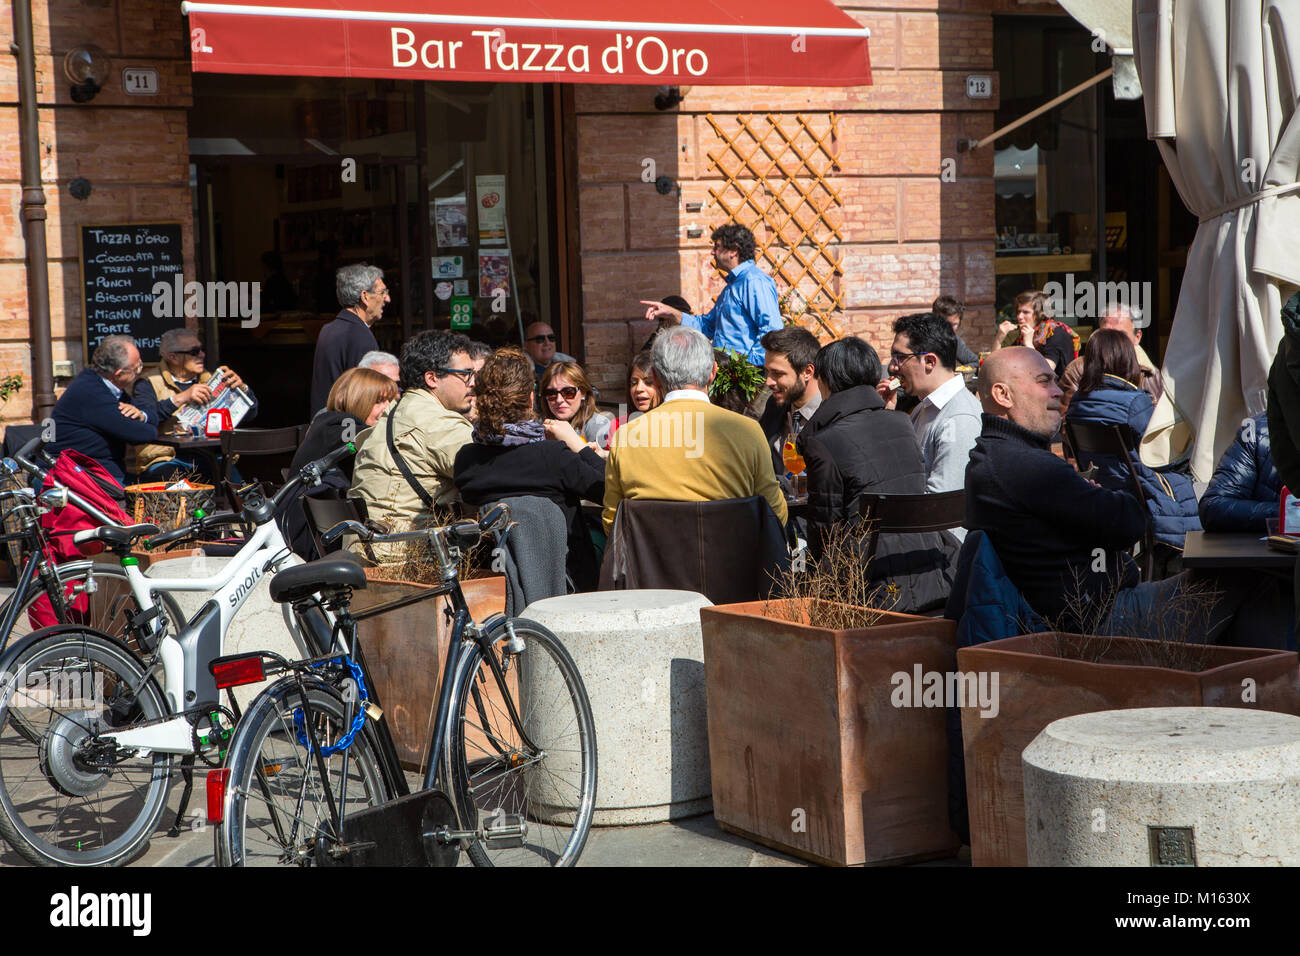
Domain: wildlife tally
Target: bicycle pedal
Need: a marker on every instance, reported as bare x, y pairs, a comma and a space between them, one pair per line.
507, 831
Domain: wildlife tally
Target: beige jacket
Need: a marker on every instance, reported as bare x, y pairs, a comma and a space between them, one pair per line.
164, 386
427, 435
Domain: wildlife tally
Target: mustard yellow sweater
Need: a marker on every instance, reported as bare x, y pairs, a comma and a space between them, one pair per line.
689, 450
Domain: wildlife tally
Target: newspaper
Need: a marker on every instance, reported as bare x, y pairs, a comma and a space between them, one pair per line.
223, 396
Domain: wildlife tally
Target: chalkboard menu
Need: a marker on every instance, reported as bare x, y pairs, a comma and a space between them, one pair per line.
120, 266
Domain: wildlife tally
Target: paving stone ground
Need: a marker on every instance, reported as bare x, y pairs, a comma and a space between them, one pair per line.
693, 842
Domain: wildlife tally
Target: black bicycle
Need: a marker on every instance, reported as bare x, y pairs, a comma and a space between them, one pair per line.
312, 776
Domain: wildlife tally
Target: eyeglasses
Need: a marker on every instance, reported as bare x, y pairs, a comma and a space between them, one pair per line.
192, 353
539, 339
898, 358
464, 374
569, 393
380, 292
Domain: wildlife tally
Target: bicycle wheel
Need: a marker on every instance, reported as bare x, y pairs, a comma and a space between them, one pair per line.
108, 598
67, 797
493, 771
277, 810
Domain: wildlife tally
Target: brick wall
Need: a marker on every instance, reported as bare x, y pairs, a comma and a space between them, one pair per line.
909, 233
133, 149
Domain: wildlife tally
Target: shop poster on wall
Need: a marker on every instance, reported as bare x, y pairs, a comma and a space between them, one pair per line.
451, 221
491, 209
493, 272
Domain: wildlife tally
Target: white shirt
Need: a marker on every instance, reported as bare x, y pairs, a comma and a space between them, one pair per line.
928, 410
117, 392
694, 393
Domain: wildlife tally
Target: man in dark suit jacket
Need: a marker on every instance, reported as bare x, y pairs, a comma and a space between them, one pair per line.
96, 415
347, 336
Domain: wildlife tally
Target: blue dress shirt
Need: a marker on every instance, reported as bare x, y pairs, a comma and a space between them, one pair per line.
745, 311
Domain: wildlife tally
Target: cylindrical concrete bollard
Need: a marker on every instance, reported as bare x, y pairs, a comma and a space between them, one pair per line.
1165, 786
641, 657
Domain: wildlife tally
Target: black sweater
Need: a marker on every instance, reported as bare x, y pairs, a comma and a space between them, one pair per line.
547, 469
1045, 521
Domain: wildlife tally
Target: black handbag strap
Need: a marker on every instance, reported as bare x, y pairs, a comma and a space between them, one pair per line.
401, 462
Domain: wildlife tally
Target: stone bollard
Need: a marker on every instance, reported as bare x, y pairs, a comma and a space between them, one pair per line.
1165, 786
641, 657
259, 625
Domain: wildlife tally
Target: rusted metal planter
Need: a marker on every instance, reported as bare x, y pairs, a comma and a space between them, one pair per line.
405, 650
1037, 685
809, 753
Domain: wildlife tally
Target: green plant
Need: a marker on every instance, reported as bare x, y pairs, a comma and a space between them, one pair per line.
737, 373
9, 385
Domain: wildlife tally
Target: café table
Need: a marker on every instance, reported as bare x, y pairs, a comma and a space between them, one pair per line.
209, 449
1235, 550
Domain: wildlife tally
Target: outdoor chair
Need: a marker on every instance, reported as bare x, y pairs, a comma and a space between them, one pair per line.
730, 551
1084, 441
325, 513
911, 514
257, 454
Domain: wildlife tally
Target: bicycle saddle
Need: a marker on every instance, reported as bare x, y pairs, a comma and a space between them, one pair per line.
296, 583
119, 536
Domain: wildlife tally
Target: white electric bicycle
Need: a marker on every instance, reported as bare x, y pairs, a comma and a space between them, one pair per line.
90, 727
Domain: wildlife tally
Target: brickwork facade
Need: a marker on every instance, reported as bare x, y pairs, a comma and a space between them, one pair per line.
133, 149
915, 216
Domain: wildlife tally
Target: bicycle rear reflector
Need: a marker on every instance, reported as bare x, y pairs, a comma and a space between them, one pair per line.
236, 671
217, 782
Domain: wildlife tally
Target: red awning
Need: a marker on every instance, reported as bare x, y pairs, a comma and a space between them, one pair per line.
667, 43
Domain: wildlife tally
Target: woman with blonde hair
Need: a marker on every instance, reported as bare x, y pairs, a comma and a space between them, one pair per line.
358, 398
569, 398
514, 454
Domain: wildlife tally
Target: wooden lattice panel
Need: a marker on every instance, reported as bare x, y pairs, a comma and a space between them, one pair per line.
776, 171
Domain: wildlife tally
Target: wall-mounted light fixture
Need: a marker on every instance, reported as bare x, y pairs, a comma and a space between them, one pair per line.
667, 97
86, 68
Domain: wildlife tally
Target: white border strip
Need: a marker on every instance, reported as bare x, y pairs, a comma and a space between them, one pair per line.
252, 10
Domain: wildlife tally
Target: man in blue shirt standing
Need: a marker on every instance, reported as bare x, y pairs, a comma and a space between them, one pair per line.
745, 311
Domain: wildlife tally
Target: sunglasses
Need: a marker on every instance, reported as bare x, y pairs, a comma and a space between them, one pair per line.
569, 393
539, 339
464, 374
192, 353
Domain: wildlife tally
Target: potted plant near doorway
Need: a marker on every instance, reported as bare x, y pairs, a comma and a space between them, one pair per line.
1046, 676
813, 748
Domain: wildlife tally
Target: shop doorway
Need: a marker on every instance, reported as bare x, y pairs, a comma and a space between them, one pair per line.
447, 187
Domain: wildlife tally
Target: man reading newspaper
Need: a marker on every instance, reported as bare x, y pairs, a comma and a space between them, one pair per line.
183, 398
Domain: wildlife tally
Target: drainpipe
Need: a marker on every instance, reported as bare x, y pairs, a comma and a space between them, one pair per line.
33, 211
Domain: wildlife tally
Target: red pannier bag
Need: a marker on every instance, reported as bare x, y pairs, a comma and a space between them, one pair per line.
86, 477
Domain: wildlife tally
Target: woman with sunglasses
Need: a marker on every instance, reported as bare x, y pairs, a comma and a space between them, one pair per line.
511, 457
568, 396
181, 379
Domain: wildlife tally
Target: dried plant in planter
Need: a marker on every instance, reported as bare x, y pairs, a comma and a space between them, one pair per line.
836, 592
416, 562
1176, 631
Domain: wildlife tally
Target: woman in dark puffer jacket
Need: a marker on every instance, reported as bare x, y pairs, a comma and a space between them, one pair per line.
1110, 393
854, 446
1245, 490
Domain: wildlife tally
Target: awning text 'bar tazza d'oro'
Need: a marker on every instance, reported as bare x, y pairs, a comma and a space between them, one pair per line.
678, 42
